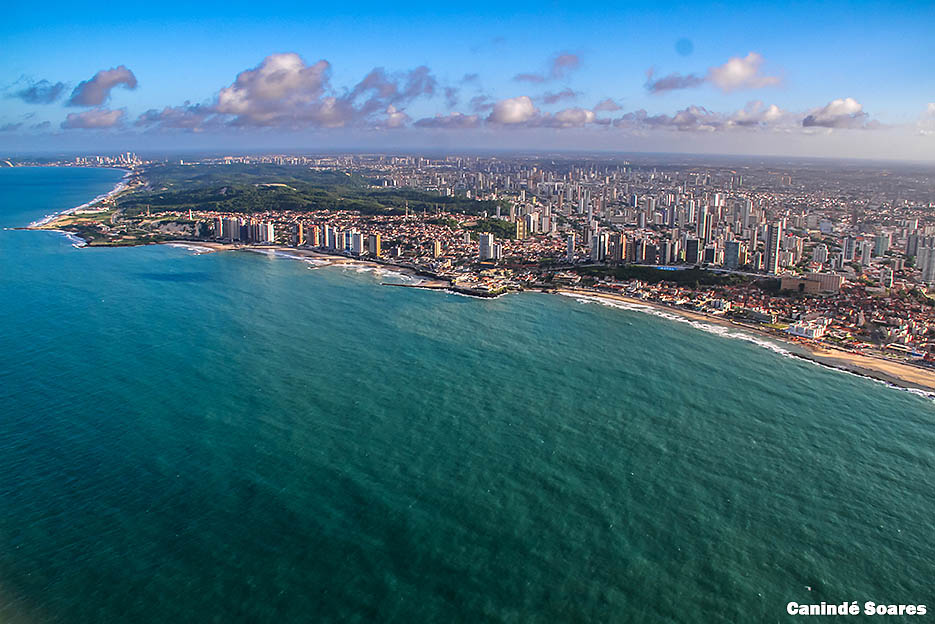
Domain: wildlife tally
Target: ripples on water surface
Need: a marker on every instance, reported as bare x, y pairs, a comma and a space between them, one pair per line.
231, 437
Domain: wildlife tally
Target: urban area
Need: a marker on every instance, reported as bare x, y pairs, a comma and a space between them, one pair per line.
835, 253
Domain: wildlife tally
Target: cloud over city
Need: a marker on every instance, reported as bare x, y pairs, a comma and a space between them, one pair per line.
840, 113
96, 90
515, 110
738, 73
284, 92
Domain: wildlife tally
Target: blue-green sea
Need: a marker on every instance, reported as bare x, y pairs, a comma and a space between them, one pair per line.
236, 437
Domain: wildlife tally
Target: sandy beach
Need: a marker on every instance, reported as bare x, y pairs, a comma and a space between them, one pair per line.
48, 219
899, 374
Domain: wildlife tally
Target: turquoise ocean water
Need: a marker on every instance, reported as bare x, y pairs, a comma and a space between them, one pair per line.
235, 437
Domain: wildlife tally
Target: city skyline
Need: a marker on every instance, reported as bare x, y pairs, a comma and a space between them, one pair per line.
831, 253
642, 78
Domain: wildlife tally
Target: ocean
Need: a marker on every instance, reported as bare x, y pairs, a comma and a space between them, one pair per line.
242, 437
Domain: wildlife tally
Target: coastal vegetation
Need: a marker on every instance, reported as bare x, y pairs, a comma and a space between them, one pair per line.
258, 188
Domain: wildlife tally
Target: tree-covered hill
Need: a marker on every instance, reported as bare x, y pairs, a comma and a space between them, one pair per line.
268, 187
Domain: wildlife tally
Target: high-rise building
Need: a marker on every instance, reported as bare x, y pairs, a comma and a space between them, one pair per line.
702, 225
773, 240
357, 243
881, 244
617, 248
521, 229
820, 253
637, 251
925, 262
692, 251
231, 228
849, 248
485, 245
374, 245
866, 252
599, 247
570, 248
732, 254
665, 251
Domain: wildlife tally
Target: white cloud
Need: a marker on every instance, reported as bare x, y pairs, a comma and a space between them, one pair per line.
569, 118
280, 89
756, 113
736, 74
283, 91
515, 110
691, 118
741, 73
395, 118
754, 116
840, 113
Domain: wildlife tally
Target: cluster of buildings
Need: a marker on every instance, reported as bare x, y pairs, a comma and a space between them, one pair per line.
238, 229
851, 249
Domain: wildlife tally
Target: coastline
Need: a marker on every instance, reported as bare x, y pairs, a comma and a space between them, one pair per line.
898, 374
321, 259
118, 188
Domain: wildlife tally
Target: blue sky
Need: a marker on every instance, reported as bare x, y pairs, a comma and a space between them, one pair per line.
862, 72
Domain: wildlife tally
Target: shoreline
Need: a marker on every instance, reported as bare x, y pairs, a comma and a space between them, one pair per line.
898, 374
118, 188
297, 253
